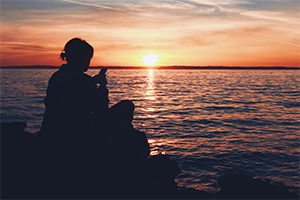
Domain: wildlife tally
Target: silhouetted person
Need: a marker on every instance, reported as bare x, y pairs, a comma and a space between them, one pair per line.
77, 115
81, 137
72, 96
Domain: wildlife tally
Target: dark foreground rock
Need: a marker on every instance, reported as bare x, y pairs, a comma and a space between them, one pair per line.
244, 187
30, 172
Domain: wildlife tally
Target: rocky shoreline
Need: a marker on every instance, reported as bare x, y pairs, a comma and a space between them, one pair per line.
28, 172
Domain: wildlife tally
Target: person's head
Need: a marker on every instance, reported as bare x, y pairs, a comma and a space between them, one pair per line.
78, 53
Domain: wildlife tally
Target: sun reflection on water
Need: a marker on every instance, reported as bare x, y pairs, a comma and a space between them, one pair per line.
209, 122
150, 110
150, 92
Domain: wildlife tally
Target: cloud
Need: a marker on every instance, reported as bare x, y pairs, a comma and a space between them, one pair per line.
140, 14
91, 4
116, 46
25, 47
271, 15
173, 26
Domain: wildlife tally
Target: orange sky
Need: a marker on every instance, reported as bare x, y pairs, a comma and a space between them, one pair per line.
180, 32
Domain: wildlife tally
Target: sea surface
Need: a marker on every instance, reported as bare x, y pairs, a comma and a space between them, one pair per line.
211, 122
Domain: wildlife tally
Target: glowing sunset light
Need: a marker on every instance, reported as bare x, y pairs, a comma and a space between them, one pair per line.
220, 33
150, 59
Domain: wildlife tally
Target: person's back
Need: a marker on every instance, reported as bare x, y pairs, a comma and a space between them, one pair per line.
72, 96
70, 101
79, 132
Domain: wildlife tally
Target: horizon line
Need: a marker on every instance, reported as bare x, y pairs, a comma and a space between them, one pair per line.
155, 67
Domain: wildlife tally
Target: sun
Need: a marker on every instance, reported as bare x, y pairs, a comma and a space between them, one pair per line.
150, 59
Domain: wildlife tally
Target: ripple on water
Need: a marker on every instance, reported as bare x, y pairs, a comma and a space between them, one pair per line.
211, 122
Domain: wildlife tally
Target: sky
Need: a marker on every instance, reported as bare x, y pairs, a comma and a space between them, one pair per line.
174, 32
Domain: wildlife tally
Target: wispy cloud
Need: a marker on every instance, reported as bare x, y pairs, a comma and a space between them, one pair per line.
177, 28
271, 15
92, 5
24, 47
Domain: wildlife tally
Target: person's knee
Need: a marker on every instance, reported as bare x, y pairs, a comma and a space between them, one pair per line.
129, 105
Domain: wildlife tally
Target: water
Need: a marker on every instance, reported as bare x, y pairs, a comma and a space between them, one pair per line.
212, 122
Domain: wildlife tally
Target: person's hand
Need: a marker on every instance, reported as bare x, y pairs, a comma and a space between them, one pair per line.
100, 79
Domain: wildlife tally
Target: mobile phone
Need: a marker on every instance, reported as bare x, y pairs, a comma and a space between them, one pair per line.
102, 71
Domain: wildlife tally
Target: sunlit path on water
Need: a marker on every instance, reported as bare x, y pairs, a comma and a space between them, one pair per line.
212, 122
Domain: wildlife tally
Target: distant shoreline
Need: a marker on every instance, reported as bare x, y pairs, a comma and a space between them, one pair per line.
162, 67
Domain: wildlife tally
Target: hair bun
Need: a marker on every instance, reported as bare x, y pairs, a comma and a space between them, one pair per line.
62, 55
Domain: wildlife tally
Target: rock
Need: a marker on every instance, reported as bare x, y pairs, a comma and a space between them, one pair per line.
32, 169
32, 172
162, 166
13, 127
244, 187
17, 148
190, 193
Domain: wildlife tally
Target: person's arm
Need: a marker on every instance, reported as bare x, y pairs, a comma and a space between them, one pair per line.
100, 79
102, 93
